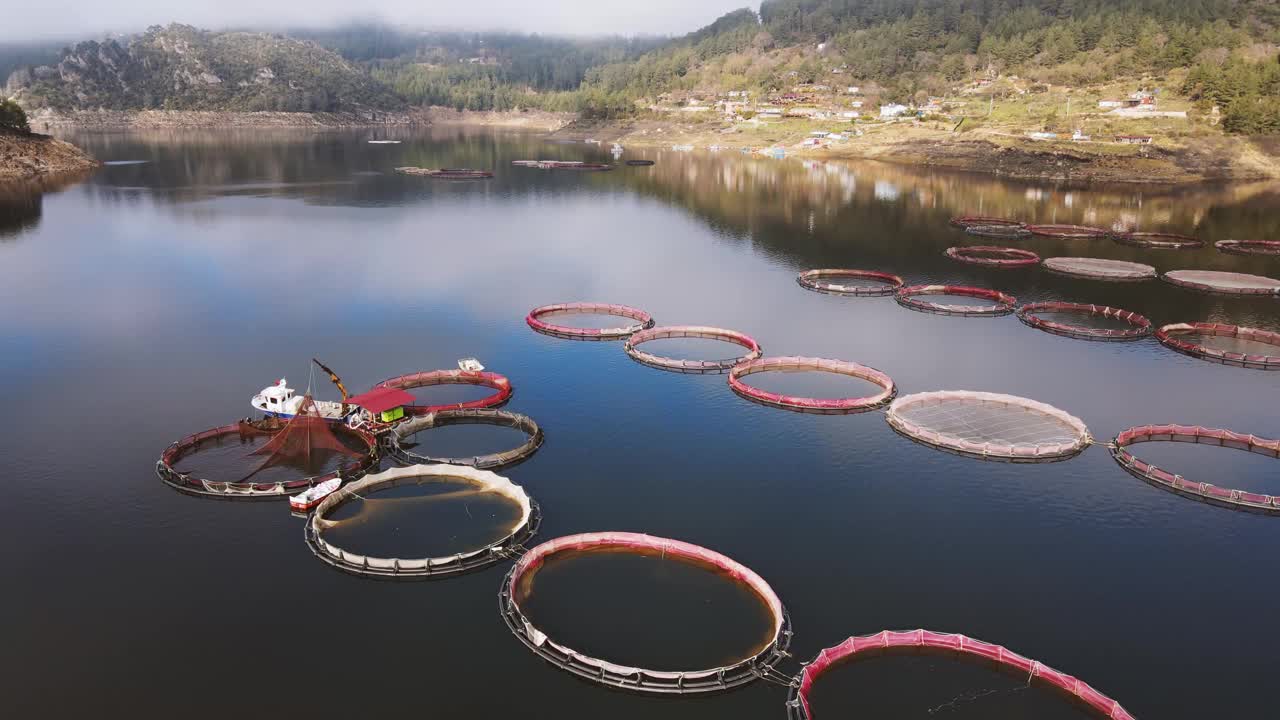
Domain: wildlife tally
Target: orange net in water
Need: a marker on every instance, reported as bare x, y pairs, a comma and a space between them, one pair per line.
303, 440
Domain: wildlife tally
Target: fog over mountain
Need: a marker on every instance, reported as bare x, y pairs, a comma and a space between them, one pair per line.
75, 18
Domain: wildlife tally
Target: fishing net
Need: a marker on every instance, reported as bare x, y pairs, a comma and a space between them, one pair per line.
1229, 283
1067, 232
1160, 241
913, 297
989, 426
1002, 232
1227, 344
706, 680
968, 221
500, 385
525, 424
301, 440
864, 282
691, 331
1099, 268
1238, 499
961, 646
821, 406
510, 542
241, 432
993, 256
1249, 247
535, 320
1134, 325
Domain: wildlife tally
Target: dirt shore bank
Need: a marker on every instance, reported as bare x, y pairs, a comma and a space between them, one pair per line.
30, 155
527, 119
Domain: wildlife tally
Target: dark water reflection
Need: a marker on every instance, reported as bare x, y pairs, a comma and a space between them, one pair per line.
156, 298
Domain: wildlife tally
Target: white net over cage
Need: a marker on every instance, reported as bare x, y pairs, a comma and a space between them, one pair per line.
1224, 281
1100, 268
989, 425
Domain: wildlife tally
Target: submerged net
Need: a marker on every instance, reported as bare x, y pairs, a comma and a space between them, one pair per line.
306, 437
612, 674
1136, 326
1230, 283
913, 297
443, 418
409, 568
1238, 499
1227, 344
822, 406
1249, 247
691, 331
535, 320
1071, 232
989, 425
865, 282
994, 256
912, 641
1099, 268
1160, 241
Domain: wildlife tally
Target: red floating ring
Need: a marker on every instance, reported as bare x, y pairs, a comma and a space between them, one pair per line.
1249, 247
708, 680
913, 641
1170, 335
186, 483
644, 321
1070, 232
994, 256
813, 280
1160, 241
1004, 304
691, 331
1140, 325
428, 378
1226, 283
1226, 497
966, 221
821, 406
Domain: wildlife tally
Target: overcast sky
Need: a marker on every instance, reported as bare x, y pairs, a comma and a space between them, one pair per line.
61, 19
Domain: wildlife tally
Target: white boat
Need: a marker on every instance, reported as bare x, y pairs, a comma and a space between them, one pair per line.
591, 141
311, 497
280, 400
383, 142
470, 365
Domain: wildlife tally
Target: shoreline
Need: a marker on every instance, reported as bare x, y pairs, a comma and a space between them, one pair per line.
32, 156
47, 120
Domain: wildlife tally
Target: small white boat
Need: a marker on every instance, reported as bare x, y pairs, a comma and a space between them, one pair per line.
591, 141
280, 400
383, 142
311, 497
470, 365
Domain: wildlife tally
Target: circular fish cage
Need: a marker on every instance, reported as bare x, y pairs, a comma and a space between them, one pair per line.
1225, 497
643, 321
443, 418
968, 221
1159, 241
881, 283
248, 490
1001, 232
994, 256
910, 297
639, 163
1249, 247
432, 567
989, 426
1139, 326
1099, 268
1226, 283
1176, 337
1067, 232
820, 406
961, 646
500, 385
691, 331
447, 173
708, 680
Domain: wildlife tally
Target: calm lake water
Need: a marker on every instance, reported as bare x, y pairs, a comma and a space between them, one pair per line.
154, 299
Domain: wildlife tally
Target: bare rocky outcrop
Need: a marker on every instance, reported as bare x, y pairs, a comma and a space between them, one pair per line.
31, 155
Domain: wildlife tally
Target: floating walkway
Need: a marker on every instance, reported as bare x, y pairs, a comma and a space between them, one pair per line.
1226, 497
912, 298
994, 256
880, 283
446, 173
643, 321
707, 680
1173, 336
820, 406
423, 568
1068, 232
1158, 241
501, 418
1249, 247
632, 348
1139, 326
